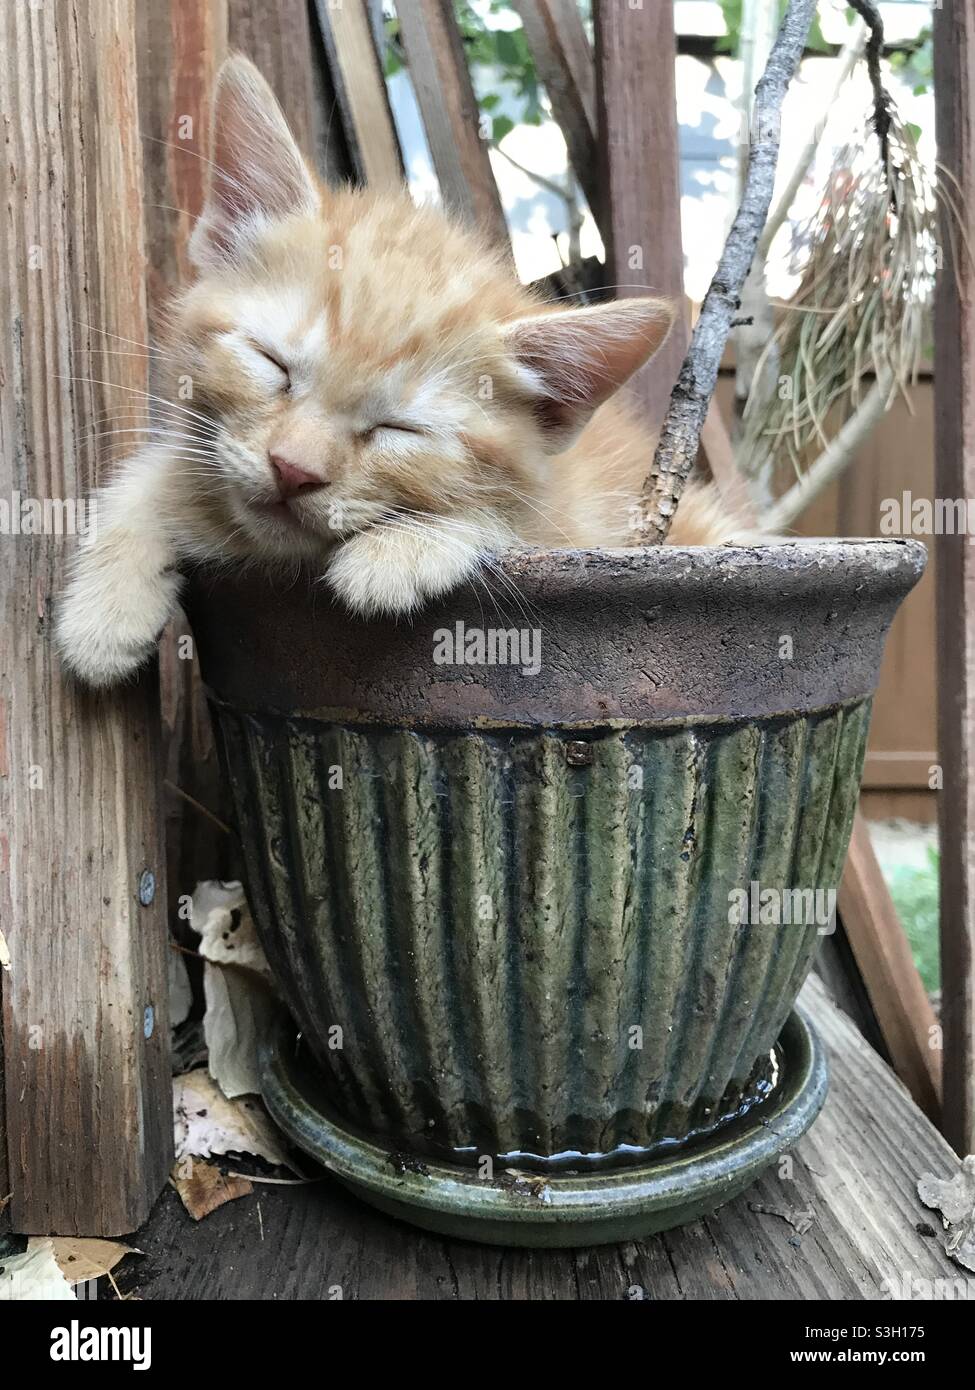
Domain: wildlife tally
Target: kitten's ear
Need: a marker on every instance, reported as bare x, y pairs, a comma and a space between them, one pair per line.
574, 360
257, 170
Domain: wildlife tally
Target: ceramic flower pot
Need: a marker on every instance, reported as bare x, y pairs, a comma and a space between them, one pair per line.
540, 881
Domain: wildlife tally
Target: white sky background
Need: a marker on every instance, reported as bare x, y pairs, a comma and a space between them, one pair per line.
709, 120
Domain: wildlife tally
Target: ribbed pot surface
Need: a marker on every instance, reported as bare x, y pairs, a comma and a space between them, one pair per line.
526, 955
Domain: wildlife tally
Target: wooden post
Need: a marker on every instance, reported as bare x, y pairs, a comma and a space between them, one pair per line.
639, 171
563, 59
181, 44
276, 36
82, 894
438, 70
954, 385
359, 84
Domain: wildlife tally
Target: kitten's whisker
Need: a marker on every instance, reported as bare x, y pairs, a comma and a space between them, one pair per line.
542, 512
133, 342
151, 431
226, 178
134, 391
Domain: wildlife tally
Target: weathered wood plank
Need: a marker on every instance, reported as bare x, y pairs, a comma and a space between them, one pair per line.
4, 1166
82, 895
360, 92
882, 952
854, 1173
438, 70
181, 44
954, 57
639, 207
563, 58
276, 36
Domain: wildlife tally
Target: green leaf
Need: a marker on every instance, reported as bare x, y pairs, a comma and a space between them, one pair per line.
500, 127
506, 47
815, 40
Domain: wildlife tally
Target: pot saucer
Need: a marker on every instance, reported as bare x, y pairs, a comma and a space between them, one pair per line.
566, 1210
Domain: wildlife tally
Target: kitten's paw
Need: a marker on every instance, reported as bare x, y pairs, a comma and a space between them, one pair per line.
107, 625
395, 570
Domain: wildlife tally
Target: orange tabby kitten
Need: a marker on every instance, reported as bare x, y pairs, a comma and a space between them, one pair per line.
374, 396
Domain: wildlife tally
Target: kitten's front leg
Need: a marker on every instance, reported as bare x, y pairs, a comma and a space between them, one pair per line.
395, 567
123, 586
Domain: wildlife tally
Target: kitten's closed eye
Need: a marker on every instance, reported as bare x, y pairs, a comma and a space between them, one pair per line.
275, 362
391, 426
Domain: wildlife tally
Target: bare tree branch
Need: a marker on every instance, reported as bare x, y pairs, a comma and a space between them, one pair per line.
691, 397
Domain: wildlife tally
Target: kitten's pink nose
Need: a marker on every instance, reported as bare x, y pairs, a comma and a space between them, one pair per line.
291, 479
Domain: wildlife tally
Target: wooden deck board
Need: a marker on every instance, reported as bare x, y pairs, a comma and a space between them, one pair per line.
855, 1171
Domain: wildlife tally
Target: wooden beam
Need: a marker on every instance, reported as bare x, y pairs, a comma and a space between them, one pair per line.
360, 93
82, 893
954, 387
438, 70
639, 172
883, 955
181, 44
563, 59
276, 36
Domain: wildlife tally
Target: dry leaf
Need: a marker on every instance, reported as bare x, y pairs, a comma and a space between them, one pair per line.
207, 1123
955, 1199
237, 985
202, 1187
33, 1276
800, 1221
239, 1010
80, 1260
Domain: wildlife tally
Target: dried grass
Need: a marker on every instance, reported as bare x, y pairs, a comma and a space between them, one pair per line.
867, 261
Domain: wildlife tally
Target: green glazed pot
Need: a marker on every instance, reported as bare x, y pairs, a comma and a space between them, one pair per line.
531, 912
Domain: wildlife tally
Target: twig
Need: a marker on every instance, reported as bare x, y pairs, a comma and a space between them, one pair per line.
681, 433
197, 805
868, 12
277, 1182
549, 185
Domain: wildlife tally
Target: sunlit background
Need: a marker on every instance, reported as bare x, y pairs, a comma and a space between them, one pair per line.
709, 81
